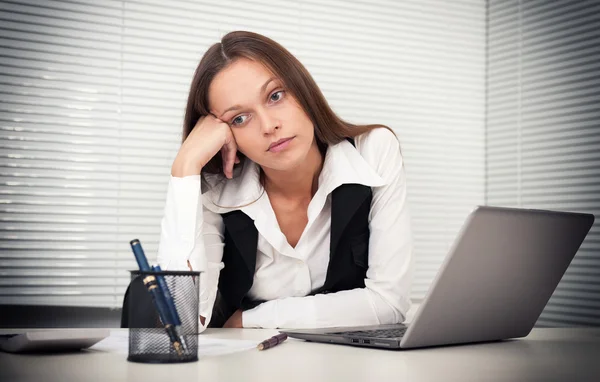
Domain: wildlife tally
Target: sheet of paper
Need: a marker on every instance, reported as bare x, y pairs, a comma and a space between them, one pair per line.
118, 342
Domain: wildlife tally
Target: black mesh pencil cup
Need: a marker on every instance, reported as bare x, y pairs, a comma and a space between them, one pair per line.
163, 331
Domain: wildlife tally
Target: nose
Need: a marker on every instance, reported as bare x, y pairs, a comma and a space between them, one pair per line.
268, 122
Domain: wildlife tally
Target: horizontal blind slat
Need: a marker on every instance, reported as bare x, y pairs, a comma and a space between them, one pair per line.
543, 142
92, 99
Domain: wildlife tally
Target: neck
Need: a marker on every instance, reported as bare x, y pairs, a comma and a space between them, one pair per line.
298, 183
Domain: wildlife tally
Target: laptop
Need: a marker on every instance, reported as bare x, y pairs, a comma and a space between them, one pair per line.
51, 340
499, 275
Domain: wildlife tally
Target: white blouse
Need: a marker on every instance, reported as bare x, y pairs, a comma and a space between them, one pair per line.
192, 229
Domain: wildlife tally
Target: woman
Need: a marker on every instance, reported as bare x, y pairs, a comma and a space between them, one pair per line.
302, 219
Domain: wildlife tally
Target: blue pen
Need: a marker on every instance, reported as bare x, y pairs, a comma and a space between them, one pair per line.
140, 257
174, 316
168, 298
157, 296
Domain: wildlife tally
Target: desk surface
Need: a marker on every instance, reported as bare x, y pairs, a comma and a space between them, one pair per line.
545, 355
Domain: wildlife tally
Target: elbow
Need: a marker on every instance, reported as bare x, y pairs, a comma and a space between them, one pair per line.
402, 306
391, 307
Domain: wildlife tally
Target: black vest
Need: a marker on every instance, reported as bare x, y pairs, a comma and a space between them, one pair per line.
348, 252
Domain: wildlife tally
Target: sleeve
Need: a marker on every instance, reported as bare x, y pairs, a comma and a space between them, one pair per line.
190, 232
386, 296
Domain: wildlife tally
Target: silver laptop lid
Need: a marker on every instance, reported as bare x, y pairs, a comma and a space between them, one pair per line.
499, 274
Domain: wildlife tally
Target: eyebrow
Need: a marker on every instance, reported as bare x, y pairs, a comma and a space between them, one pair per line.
262, 90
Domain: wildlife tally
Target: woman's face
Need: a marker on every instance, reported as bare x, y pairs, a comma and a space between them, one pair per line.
260, 112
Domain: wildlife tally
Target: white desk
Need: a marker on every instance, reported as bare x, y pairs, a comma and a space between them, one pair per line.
545, 355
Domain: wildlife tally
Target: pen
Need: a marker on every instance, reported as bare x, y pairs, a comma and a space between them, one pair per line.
273, 341
167, 295
158, 297
172, 309
140, 257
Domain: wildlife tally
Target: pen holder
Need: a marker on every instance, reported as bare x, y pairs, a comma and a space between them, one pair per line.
149, 340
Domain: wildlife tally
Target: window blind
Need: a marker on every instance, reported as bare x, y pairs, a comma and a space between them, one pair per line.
92, 96
543, 136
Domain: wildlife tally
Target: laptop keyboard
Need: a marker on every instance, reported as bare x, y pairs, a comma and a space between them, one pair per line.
375, 333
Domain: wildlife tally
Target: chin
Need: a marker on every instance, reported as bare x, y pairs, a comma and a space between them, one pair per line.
284, 165
287, 162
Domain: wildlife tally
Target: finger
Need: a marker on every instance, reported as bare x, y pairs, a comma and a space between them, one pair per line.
224, 160
237, 160
230, 154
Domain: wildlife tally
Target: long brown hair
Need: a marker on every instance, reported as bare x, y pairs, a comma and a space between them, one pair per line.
329, 128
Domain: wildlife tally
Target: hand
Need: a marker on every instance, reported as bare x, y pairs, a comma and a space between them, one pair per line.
235, 321
209, 136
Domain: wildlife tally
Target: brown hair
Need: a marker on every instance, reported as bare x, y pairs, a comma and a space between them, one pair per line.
329, 128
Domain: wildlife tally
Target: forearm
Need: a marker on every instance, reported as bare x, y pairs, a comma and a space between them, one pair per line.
192, 238
355, 307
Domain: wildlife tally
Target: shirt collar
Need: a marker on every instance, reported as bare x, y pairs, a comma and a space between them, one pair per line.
343, 164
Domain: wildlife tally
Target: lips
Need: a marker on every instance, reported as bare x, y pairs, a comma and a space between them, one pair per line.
279, 143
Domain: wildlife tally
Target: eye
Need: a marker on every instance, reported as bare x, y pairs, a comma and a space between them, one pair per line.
238, 120
276, 96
